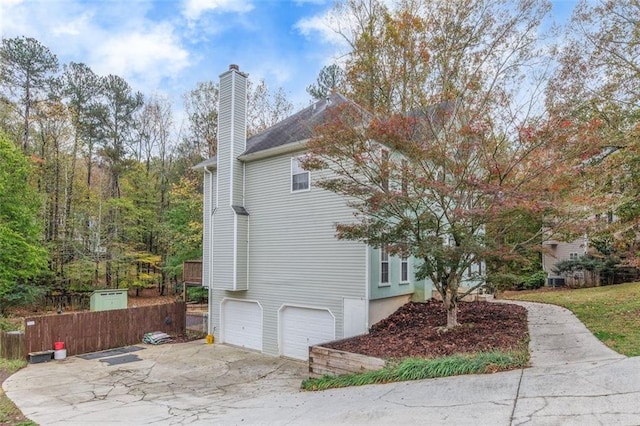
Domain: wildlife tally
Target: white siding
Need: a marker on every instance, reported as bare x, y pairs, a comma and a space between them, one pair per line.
294, 257
355, 317
223, 247
242, 236
229, 253
224, 215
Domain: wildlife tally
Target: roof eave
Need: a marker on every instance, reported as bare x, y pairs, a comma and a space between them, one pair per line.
277, 150
209, 164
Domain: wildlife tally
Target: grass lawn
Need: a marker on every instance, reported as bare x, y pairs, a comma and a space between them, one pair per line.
612, 313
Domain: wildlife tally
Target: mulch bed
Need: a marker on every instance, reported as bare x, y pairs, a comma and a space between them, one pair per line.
417, 330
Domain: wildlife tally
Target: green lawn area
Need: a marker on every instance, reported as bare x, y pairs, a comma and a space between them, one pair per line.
612, 313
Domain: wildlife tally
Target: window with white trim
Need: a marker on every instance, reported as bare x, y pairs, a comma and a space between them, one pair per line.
573, 256
300, 178
404, 269
384, 266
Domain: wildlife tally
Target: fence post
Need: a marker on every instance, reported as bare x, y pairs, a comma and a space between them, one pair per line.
12, 345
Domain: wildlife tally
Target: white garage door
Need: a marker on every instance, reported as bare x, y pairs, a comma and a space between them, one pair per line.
304, 327
241, 324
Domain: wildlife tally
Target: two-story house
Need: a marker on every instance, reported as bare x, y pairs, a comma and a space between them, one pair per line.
279, 280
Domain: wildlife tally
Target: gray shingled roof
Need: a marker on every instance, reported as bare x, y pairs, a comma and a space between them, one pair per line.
297, 127
300, 126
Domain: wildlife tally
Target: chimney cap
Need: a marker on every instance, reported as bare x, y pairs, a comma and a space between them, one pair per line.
234, 67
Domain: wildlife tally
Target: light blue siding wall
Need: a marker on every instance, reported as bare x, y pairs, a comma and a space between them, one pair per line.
394, 287
294, 257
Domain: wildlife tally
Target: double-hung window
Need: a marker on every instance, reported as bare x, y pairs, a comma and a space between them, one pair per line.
404, 269
300, 178
384, 266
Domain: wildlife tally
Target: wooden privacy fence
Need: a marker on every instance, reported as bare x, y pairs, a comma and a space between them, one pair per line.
197, 321
12, 345
84, 332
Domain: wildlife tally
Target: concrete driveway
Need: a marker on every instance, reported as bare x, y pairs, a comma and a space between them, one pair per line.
574, 379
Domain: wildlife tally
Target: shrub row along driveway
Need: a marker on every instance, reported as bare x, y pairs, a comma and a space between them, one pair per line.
574, 379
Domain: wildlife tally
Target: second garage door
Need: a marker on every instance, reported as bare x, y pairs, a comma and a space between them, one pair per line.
304, 327
241, 323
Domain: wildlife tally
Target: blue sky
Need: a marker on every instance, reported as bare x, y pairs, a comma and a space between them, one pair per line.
167, 46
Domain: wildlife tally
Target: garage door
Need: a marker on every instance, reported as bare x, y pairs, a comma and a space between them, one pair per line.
241, 323
304, 327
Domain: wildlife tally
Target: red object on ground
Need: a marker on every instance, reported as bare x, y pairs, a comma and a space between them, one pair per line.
58, 346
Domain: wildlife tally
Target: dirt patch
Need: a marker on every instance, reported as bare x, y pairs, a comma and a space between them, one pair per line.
417, 330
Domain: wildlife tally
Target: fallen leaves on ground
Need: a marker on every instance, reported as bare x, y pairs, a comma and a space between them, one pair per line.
418, 330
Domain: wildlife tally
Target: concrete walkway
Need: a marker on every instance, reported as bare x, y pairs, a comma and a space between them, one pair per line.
574, 380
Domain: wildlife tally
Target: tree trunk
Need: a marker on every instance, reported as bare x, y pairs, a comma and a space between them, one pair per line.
108, 273
452, 310
67, 228
27, 111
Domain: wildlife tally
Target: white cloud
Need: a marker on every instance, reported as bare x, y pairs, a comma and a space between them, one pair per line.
74, 27
147, 55
194, 8
326, 25
10, 3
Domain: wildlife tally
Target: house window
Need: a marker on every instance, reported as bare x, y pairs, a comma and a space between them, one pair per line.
573, 256
299, 176
404, 269
384, 266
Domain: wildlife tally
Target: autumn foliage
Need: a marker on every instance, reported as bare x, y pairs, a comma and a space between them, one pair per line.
442, 155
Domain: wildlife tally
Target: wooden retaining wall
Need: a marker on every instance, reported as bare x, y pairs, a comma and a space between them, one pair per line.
84, 332
332, 362
12, 345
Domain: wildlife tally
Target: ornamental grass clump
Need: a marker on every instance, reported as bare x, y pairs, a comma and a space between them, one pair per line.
418, 369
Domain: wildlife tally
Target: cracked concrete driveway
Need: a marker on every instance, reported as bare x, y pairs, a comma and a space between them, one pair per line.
574, 380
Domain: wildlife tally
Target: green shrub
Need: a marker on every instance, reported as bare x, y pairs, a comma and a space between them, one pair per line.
534, 281
498, 281
10, 324
197, 294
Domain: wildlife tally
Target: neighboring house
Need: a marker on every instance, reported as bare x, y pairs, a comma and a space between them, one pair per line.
279, 280
558, 251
